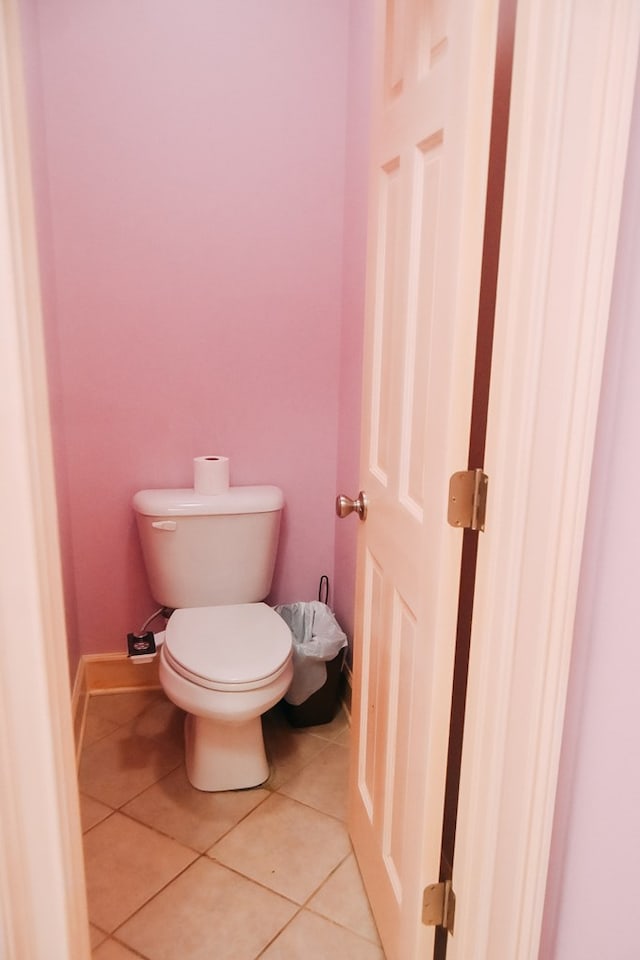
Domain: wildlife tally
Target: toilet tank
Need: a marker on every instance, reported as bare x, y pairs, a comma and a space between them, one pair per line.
202, 551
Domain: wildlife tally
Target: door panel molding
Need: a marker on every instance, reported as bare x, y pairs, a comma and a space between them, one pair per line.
574, 73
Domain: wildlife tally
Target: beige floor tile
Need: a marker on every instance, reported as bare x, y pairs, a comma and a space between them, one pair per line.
330, 731
342, 898
285, 845
96, 727
313, 938
323, 782
207, 912
112, 950
176, 906
121, 708
161, 720
188, 815
96, 936
120, 766
92, 812
288, 750
126, 864
344, 737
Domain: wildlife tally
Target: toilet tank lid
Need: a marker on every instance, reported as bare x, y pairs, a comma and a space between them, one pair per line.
188, 503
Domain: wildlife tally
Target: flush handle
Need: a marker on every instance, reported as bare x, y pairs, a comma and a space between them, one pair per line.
164, 524
345, 506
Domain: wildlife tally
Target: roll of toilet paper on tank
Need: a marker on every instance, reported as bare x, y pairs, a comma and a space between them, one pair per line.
210, 475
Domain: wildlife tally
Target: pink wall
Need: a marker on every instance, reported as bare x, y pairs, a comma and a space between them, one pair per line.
593, 889
190, 167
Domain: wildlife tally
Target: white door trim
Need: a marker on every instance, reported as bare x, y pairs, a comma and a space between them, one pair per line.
574, 72
42, 893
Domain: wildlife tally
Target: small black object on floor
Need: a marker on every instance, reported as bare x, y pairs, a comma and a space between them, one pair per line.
140, 645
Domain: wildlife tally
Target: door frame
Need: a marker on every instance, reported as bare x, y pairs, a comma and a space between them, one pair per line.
573, 84
43, 910
514, 724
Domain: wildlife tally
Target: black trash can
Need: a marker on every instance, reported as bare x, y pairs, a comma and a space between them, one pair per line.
318, 655
321, 706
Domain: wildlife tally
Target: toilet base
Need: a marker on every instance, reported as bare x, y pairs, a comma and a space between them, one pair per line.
224, 756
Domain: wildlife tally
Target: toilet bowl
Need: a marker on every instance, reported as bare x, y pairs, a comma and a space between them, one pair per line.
225, 666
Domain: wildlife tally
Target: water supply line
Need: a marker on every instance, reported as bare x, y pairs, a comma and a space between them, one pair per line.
159, 612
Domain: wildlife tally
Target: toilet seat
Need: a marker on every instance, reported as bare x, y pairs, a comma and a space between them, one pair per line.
237, 647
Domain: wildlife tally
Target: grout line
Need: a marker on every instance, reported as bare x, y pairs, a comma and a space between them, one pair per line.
299, 769
321, 916
168, 836
117, 727
95, 825
237, 824
341, 926
306, 905
326, 879
150, 705
310, 806
118, 807
135, 796
153, 897
121, 943
257, 883
300, 907
279, 933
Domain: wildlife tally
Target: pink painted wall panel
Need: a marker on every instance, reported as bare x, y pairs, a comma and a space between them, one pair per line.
593, 887
190, 198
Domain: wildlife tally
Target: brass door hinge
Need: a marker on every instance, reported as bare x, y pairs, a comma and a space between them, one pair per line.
468, 499
439, 906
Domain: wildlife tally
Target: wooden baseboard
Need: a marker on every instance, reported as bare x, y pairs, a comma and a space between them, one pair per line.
107, 673
347, 688
114, 672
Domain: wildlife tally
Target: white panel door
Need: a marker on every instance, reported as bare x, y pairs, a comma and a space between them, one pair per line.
435, 66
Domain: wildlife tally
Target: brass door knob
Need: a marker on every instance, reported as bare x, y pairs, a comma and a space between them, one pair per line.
345, 506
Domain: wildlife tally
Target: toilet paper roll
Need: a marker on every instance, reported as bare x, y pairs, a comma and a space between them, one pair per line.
210, 475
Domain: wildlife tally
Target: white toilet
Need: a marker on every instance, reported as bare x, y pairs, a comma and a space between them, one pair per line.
227, 657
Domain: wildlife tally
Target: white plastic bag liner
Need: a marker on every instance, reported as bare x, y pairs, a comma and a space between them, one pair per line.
317, 637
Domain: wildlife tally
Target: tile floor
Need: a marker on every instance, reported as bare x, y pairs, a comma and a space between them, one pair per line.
176, 874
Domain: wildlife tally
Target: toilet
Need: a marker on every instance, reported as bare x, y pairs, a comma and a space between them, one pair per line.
227, 656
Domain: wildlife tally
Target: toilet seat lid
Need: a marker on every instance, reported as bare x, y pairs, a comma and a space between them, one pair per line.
203, 641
